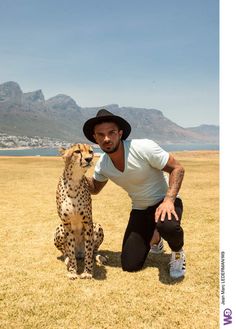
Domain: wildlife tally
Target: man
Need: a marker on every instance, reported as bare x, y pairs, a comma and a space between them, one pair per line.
138, 166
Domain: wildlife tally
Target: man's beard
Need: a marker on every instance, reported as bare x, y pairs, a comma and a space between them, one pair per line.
113, 149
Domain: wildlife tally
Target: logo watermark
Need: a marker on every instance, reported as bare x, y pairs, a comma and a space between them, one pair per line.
227, 316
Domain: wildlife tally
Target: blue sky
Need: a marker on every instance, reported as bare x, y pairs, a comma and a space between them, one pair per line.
153, 54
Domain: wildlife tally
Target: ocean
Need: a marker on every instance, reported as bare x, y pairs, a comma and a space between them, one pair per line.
54, 151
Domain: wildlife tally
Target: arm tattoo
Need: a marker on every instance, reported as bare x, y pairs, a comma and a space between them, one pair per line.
175, 181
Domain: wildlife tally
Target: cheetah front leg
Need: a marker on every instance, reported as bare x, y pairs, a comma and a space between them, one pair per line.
88, 249
70, 252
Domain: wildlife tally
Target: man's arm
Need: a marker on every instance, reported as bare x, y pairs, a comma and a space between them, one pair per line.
94, 185
176, 175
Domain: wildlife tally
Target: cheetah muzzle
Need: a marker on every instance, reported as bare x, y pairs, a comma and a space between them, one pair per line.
77, 236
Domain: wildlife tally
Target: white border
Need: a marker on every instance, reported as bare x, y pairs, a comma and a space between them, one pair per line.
227, 161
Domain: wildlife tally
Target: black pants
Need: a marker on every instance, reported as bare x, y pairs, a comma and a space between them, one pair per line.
139, 231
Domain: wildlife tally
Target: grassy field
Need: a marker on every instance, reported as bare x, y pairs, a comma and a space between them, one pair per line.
35, 292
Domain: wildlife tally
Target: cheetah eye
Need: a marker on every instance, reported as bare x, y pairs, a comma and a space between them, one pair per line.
77, 151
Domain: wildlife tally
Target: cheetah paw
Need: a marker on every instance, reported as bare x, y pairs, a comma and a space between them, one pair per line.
86, 275
72, 275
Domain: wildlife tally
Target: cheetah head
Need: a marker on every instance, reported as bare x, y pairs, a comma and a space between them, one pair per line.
78, 156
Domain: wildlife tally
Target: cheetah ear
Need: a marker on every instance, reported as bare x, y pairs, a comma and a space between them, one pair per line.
65, 153
62, 151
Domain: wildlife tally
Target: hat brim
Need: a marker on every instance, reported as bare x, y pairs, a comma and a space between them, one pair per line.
89, 125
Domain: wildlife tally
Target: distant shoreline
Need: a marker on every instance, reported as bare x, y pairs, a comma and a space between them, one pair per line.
183, 153
54, 151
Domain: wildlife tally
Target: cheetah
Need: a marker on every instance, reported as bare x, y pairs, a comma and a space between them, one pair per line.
77, 235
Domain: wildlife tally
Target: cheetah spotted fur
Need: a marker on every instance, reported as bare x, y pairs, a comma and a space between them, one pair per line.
77, 235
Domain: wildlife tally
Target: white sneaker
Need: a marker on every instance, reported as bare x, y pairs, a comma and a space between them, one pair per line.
177, 264
157, 248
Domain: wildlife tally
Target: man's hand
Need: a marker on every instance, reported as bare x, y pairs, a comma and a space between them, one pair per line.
166, 208
94, 185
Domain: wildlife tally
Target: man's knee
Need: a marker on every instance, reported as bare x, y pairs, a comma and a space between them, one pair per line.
172, 232
134, 253
132, 261
168, 226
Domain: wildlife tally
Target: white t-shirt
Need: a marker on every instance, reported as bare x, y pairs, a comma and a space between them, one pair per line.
142, 177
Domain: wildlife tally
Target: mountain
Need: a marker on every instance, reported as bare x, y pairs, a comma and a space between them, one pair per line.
29, 114
209, 131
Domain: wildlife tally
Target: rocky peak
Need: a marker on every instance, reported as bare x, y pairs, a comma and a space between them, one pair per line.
62, 102
34, 96
10, 92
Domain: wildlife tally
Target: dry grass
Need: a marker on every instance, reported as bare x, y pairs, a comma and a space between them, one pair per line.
35, 292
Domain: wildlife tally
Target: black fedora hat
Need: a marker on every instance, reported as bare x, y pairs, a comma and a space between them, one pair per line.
105, 116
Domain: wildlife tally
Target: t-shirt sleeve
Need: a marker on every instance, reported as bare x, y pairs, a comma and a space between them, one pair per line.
156, 156
98, 174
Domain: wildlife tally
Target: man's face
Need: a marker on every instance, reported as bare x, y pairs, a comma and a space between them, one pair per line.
108, 136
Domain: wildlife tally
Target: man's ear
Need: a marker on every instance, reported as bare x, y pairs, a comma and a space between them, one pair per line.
120, 133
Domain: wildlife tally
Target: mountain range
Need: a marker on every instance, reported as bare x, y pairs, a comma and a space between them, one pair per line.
29, 114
